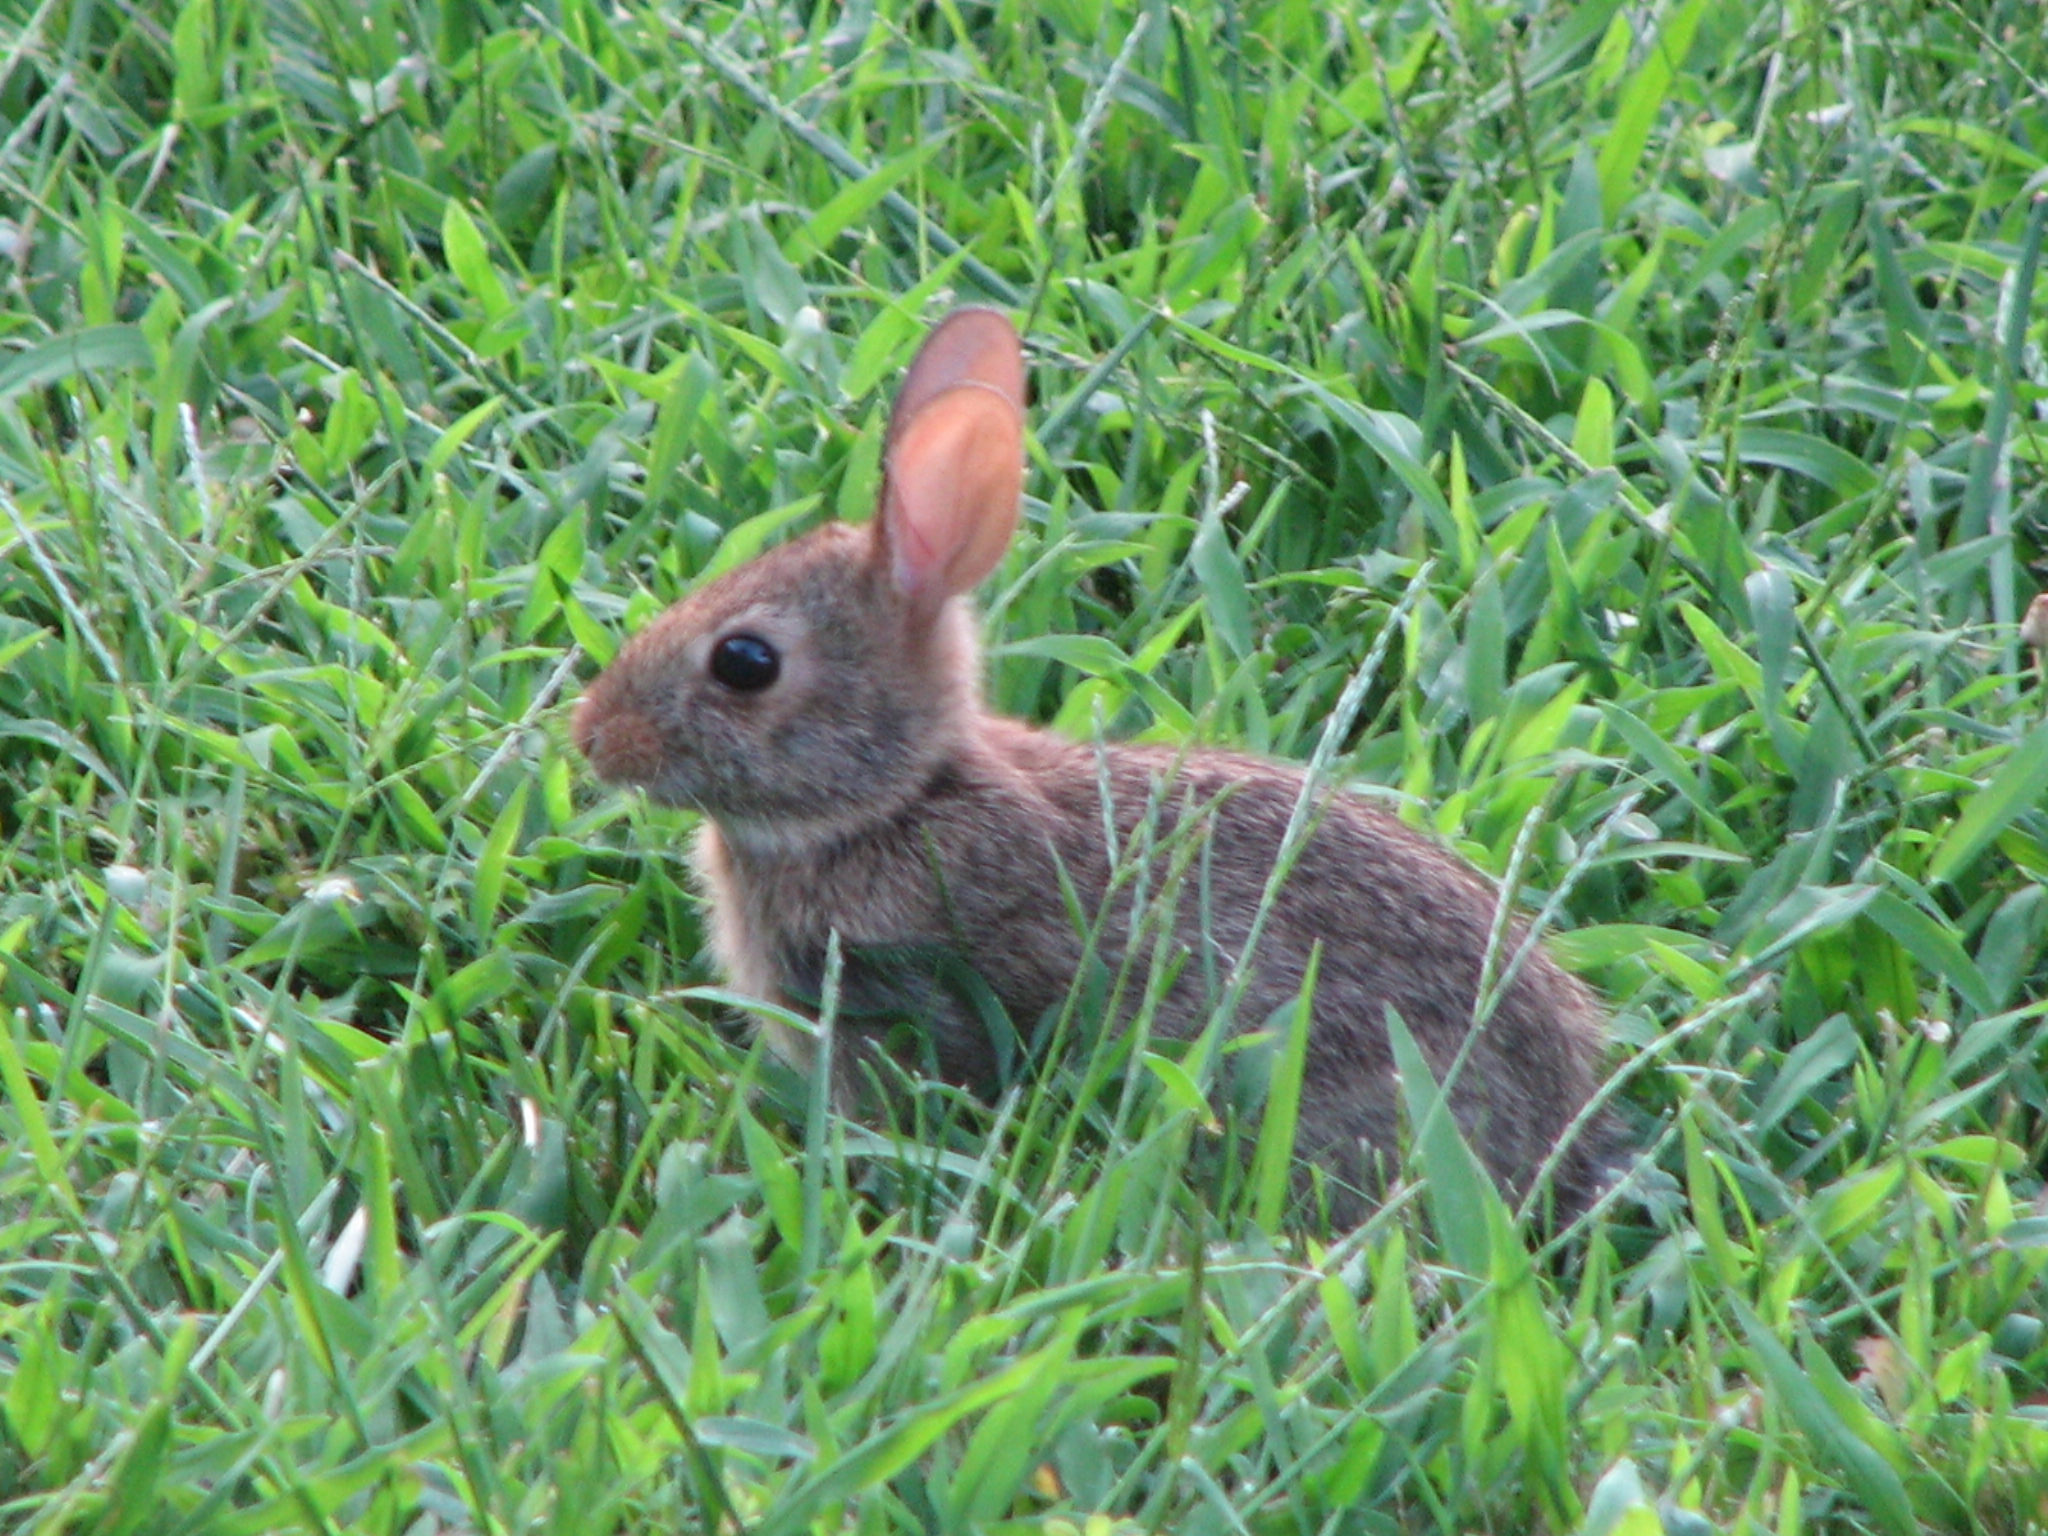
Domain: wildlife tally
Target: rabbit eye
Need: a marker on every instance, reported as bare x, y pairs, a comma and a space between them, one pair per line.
745, 663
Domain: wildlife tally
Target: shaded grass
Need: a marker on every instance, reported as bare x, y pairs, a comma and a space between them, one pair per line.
1651, 397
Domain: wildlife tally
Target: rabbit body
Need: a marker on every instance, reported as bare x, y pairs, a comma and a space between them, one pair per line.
864, 789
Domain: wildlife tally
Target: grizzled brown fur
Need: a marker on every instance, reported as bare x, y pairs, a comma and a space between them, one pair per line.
868, 790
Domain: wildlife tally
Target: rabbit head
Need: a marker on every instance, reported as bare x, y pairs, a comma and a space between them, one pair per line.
819, 685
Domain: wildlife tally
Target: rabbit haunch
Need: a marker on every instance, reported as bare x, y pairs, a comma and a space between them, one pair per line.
822, 707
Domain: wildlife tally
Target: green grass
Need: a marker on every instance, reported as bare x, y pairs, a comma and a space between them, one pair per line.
1642, 404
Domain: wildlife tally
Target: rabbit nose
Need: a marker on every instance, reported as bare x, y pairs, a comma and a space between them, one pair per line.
613, 740
623, 745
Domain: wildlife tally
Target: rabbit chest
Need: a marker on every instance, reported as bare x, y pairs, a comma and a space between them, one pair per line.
941, 910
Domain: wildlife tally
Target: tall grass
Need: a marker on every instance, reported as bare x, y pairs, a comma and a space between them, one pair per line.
1640, 406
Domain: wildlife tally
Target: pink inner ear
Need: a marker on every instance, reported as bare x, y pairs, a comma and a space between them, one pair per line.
955, 471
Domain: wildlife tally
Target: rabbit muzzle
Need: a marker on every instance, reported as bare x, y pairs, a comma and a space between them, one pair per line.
622, 745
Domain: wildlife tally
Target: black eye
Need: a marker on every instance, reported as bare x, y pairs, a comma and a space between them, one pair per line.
745, 663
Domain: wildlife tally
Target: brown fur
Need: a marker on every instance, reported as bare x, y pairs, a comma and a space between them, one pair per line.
869, 791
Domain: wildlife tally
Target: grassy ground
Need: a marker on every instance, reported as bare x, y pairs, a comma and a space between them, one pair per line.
1643, 403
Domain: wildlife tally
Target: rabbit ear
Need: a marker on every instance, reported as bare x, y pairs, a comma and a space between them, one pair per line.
969, 346
955, 460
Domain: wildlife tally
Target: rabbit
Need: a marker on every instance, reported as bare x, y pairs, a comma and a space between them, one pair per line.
821, 707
